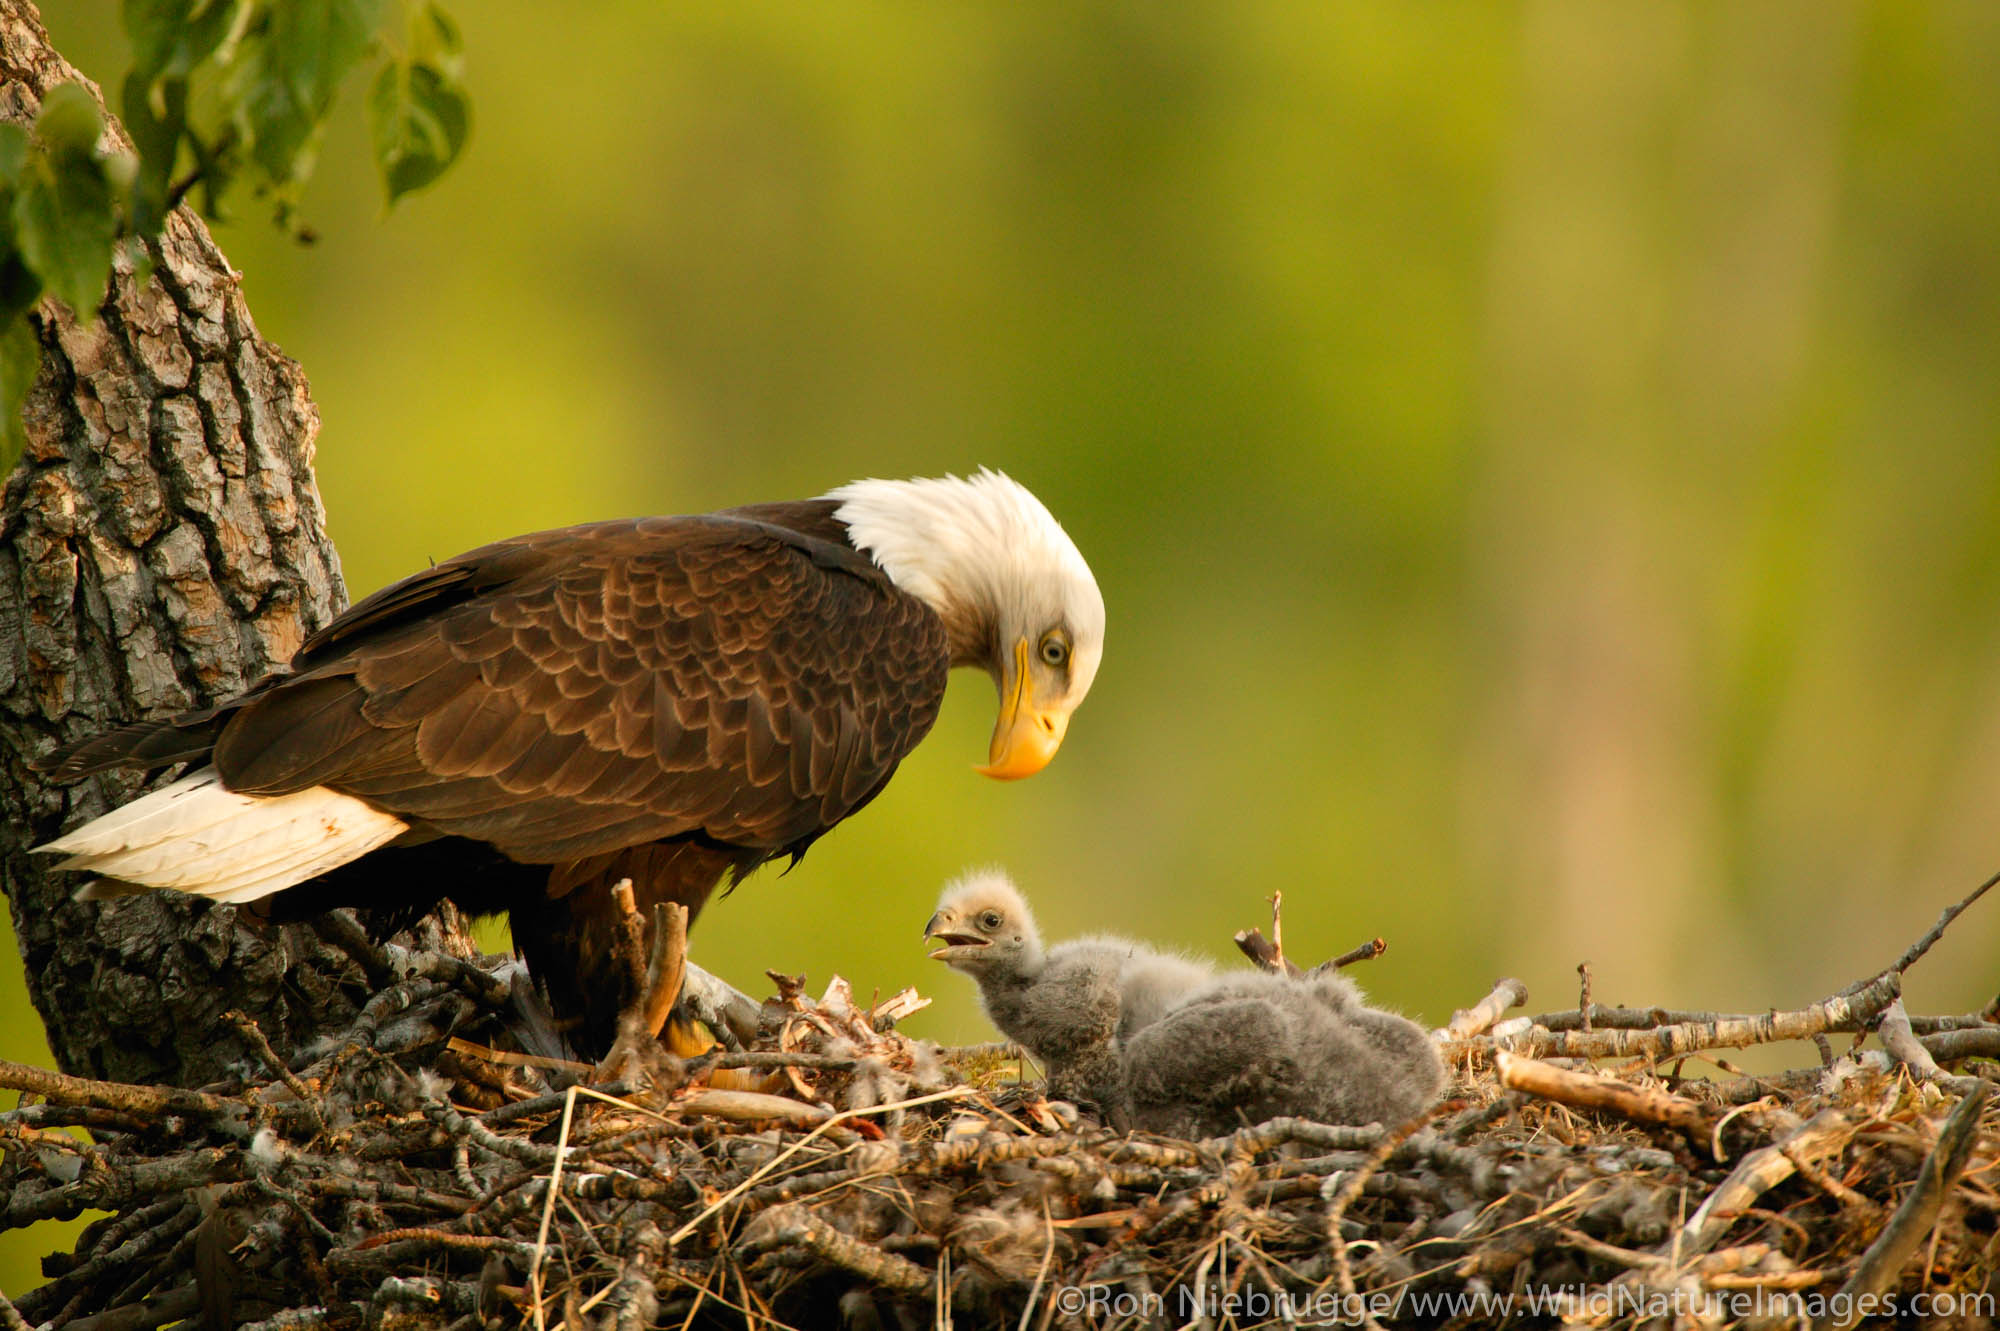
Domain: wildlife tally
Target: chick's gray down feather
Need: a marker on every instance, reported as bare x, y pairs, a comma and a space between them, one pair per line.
1003, 951
1254, 1046
1149, 981
1067, 1015
1158, 1042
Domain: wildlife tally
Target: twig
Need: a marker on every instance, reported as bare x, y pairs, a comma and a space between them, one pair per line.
1253, 944
667, 966
509, 1058
1041, 1272
254, 1035
1583, 994
1810, 1171
1340, 1198
630, 944
549, 1208
1278, 931
158, 1310
1367, 951
343, 931
1916, 950
1884, 1260
146, 1100
955, 1093
1467, 1022
1906, 1049
1643, 1018
1841, 1011
1757, 1173
1950, 1046
1644, 1104
754, 1106
791, 1225
655, 977
779, 1058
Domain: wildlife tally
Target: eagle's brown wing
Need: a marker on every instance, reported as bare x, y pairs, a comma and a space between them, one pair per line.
576, 692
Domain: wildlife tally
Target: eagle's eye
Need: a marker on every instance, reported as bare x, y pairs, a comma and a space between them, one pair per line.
990, 920
1055, 651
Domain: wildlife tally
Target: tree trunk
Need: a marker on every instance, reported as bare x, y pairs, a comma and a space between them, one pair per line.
161, 546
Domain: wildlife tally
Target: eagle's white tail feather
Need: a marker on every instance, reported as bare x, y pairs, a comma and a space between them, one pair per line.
188, 805
195, 836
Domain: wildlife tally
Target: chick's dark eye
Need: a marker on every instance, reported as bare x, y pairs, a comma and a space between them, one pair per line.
990, 920
1055, 652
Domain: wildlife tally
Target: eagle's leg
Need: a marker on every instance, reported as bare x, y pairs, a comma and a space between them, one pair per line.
570, 937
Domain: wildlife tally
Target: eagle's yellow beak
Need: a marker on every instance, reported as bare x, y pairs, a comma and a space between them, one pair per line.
1027, 733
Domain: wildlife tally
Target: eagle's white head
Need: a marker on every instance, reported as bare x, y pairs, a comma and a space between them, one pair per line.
1010, 585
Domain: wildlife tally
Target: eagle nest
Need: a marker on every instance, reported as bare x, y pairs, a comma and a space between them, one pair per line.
410, 1171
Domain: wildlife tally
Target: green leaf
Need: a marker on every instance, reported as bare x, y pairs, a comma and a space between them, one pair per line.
20, 361
286, 72
19, 288
156, 118
435, 41
63, 213
419, 120
64, 223
69, 123
171, 37
13, 152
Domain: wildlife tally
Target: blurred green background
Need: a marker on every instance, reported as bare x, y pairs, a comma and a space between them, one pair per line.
1542, 462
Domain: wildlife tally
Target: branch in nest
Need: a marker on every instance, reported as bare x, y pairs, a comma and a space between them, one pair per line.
1264, 952
655, 979
1756, 1174
1367, 951
790, 1225
157, 1310
1642, 1103
1905, 1048
1841, 1010
254, 1035
1950, 1046
145, 1101
630, 943
1468, 1022
1278, 933
1915, 951
1883, 1262
667, 966
754, 1106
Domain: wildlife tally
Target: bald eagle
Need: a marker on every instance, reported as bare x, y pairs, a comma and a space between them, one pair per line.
673, 700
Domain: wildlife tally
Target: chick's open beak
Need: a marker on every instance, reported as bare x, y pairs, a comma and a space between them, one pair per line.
1028, 731
956, 945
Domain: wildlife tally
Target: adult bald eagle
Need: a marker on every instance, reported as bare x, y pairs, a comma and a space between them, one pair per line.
669, 700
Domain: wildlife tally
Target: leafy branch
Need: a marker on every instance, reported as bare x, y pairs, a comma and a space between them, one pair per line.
221, 94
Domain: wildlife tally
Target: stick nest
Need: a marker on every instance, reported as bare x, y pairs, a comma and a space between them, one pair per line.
411, 1172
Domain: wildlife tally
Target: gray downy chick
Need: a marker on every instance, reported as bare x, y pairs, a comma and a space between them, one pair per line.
1255, 1046
1149, 980
1061, 1004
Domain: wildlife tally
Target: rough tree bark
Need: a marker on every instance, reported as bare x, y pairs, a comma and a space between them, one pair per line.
162, 544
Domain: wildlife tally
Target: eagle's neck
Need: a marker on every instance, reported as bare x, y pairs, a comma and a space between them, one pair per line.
958, 546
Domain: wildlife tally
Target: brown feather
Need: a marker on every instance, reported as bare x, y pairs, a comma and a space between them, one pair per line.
669, 699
